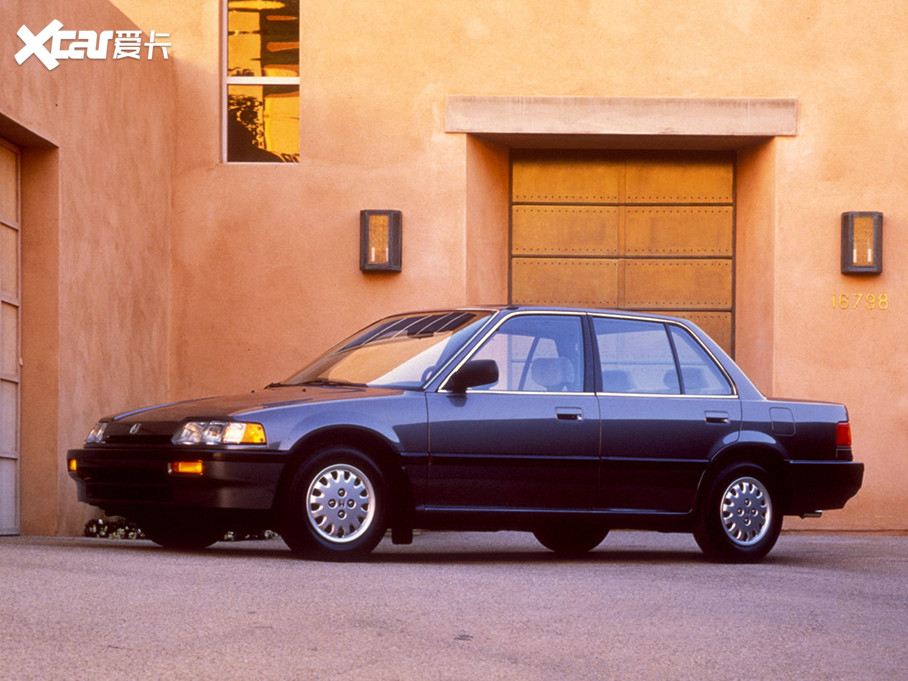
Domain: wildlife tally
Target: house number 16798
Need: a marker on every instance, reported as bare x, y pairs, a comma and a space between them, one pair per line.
857, 301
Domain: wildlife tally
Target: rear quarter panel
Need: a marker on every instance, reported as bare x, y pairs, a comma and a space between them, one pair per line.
796, 429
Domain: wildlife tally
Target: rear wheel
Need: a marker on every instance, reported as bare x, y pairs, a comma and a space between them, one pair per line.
337, 506
570, 540
738, 521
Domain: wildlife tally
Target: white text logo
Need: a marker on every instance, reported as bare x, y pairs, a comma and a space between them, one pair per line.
86, 44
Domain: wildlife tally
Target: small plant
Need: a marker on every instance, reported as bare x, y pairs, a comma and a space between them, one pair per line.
264, 535
113, 528
121, 528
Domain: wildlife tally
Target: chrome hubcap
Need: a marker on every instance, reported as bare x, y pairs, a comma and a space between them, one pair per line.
340, 503
746, 511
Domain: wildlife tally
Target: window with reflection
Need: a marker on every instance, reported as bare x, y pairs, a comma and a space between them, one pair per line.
699, 372
635, 357
537, 353
639, 357
262, 81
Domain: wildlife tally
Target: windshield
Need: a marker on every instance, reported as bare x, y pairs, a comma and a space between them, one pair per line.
400, 352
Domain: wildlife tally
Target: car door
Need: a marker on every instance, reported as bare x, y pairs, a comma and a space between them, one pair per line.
666, 407
531, 440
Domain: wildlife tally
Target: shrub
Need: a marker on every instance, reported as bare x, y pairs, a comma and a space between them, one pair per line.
121, 528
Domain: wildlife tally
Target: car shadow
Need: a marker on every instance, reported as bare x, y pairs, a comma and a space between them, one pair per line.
459, 553
541, 557
412, 555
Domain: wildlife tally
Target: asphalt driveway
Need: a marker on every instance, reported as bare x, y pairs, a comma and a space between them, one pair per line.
454, 606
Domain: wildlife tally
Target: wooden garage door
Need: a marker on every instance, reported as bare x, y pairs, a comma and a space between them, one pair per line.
649, 232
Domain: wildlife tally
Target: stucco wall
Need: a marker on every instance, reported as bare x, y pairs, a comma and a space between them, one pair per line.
96, 211
263, 268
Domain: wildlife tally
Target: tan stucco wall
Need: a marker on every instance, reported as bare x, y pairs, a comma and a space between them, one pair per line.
96, 178
376, 77
263, 269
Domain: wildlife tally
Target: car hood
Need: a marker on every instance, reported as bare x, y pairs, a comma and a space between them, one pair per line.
240, 406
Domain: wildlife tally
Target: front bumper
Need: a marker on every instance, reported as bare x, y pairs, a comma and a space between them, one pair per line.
822, 485
117, 479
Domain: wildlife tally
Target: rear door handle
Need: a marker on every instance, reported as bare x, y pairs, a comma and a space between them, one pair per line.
568, 414
717, 417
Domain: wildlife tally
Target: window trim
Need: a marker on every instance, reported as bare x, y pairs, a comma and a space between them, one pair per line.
710, 356
270, 80
591, 355
665, 323
227, 80
479, 344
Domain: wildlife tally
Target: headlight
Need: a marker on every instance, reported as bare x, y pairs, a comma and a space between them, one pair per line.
97, 433
220, 433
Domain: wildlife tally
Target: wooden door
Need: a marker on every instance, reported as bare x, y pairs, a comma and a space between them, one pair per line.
650, 232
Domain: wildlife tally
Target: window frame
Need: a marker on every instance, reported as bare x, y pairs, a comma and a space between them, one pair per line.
14, 300
709, 357
228, 80
586, 354
666, 325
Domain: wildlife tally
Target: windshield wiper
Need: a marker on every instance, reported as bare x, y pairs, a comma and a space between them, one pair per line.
332, 382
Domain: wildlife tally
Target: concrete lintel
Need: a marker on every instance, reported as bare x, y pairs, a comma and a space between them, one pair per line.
628, 116
20, 135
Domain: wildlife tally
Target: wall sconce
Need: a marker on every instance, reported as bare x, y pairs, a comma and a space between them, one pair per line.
862, 243
379, 240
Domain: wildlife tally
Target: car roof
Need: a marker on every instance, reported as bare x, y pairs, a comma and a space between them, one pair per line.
745, 386
495, 308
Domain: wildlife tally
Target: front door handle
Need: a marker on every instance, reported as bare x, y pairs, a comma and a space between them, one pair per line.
568, 414
717, 417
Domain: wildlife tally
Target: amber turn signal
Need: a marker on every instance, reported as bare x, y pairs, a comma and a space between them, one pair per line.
187, 467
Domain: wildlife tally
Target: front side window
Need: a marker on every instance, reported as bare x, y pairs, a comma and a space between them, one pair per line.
537, 353
262, 81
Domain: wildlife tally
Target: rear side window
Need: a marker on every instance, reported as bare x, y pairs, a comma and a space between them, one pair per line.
635, 357
699, 373
654, 358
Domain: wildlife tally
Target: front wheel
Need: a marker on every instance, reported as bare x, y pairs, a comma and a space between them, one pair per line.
738, 521
338, 506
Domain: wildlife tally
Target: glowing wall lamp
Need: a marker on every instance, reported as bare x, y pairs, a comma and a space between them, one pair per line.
862, 243
379, 240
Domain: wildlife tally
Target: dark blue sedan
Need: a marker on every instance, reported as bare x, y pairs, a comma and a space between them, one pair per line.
565, 423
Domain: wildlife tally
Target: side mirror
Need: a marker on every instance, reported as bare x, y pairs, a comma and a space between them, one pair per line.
474, 373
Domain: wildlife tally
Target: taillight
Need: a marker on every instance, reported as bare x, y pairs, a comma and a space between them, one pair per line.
843, 434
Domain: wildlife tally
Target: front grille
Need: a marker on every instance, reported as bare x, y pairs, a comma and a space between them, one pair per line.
139, 433
139, 439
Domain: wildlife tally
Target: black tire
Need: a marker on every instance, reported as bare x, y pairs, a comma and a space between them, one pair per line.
570, 540
181, 535
739, 520
337, 507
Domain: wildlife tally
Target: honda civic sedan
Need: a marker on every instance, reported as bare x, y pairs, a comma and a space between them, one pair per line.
566, 423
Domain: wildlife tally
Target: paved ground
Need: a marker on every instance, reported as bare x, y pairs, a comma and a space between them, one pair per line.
454, 606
